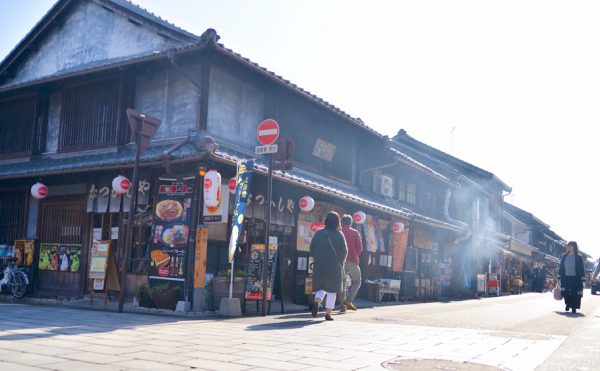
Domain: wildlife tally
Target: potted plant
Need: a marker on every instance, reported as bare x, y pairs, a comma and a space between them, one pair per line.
165, 297
143, 294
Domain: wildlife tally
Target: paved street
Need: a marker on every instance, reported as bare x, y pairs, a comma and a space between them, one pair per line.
517, 333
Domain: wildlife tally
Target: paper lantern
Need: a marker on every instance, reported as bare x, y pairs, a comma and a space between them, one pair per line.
359, 217
398, 227
121, 184
306, 204
39, 191
232, 185
212, 189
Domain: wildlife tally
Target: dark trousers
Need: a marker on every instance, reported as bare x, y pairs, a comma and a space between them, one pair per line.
572, 290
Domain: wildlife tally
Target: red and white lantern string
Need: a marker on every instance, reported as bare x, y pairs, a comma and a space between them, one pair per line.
39, 191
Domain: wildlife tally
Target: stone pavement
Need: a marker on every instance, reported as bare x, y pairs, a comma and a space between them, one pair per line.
58, 338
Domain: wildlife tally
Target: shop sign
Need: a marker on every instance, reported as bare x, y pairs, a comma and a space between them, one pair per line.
60, 257
254, 284
170, 235
518, 247
101, 194
423, 239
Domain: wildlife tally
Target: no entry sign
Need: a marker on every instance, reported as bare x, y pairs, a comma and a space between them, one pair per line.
268, 132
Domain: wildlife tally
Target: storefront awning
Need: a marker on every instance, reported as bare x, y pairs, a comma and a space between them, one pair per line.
506, 252
331, 188
552, 259
522, 248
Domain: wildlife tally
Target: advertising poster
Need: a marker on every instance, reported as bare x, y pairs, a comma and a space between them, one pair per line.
254, 284
60, 257
24, 250
98, 259
170, 234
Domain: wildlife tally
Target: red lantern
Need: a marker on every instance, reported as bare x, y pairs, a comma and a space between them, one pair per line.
359, 217
39, 190
121, 184
212, 189
398, 227
232, 185
306, 204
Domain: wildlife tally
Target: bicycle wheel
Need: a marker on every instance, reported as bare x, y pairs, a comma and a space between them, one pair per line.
19, 284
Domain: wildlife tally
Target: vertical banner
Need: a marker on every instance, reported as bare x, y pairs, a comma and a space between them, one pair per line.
243, 183
168, 244
398, 244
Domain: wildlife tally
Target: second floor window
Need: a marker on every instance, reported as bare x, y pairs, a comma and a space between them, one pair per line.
89, 115
430, 201
16, 125
407, 192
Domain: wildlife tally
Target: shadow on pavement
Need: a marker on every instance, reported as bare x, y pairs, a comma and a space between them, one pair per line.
569, 314
284, 325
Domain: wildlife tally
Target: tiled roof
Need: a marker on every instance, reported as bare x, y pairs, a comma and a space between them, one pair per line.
332, 188
86, 161
416, 164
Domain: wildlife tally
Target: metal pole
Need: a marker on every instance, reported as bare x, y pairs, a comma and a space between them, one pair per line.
267, 235
231, 283
130, 215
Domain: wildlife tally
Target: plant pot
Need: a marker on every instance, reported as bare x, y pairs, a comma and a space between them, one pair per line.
166, 299
145, 300
220, 286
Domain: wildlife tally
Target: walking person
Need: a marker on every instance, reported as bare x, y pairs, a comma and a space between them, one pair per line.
572, 276
352, 266
329, 251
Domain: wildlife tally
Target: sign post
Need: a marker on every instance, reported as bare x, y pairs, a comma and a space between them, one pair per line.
142, 128
267, 134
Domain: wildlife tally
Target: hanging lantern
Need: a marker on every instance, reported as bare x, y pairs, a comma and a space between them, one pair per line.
232, 185
359, 217
212, 189
306, 204
398, 227
121, 184
39, 190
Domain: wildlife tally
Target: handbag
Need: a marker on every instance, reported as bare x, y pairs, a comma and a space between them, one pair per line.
557, 292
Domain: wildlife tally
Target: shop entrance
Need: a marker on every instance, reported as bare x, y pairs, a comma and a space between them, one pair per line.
61, 235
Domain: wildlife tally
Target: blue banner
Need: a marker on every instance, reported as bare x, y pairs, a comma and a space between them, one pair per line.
242, 191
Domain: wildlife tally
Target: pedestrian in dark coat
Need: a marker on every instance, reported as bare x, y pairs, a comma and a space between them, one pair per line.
572, 277
329, 251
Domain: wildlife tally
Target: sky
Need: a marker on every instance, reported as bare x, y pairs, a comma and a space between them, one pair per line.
512, 87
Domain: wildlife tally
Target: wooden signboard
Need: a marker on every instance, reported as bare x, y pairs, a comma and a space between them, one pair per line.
200, 257
103, 273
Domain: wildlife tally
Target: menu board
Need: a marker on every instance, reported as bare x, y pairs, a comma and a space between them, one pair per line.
60, 257
99, 259
170, 234
254, 283
24, 252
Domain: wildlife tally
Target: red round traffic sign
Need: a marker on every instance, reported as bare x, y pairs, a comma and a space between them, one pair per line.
268, 132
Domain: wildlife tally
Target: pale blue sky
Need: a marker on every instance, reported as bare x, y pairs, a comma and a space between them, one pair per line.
519, 80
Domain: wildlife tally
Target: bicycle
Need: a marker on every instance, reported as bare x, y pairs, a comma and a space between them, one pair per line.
14, 278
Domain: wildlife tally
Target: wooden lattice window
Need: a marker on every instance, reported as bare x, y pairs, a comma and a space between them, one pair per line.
90, 115
12, 215
62, 220
16, 125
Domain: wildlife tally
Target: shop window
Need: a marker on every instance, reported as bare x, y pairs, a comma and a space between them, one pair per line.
89, 116
16, 125
12, 216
